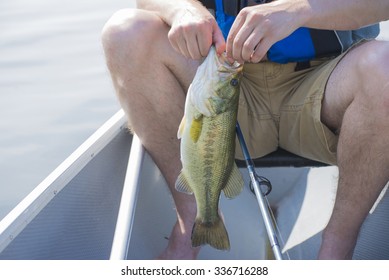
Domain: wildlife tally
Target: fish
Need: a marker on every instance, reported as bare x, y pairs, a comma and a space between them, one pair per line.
207, 148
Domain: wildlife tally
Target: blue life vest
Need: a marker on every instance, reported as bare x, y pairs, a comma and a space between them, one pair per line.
302, 45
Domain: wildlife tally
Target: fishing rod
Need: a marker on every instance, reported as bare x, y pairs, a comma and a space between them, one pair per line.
257, 182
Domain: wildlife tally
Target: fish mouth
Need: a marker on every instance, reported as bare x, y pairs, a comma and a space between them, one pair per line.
224, 65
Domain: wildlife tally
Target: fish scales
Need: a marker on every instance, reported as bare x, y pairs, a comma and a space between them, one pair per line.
207, 134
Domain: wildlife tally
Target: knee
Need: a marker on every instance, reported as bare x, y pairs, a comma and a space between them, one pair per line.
373, 69
374, 59
128, 32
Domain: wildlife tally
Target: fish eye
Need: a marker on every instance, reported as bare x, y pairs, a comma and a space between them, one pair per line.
234, 82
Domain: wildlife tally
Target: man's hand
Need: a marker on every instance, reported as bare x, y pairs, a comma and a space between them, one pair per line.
257, 28
193, 31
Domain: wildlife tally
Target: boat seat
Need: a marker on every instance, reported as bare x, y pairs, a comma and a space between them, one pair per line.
282, 158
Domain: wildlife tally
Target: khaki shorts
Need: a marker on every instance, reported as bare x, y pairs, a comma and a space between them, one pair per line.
280, 107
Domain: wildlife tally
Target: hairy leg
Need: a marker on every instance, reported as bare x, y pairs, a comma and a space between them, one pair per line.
356, 104
151, 80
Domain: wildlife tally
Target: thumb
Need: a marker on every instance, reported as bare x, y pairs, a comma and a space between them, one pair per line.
218, 39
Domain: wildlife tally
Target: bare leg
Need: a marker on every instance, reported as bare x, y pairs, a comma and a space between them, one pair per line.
151, 80
357, 104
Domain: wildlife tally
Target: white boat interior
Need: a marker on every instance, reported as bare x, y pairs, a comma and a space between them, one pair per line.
108, 200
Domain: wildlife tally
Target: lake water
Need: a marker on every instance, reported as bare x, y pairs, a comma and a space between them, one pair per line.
55, 90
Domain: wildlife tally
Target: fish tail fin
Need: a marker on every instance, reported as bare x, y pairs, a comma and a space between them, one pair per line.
214, 234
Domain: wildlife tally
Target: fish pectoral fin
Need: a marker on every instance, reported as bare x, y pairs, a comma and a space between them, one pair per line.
181, 128
182, 184
234, 184
196, 127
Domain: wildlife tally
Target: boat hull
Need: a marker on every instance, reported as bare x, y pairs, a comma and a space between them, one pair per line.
83, 210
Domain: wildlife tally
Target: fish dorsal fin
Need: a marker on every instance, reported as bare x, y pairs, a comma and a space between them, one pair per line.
182, 184
234, 184
181, 128
196, 127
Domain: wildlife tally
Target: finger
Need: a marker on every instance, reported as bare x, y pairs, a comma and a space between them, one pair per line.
232, 34
193, 47
260, 51
204, 42
178, 42
188, 42
251, 43
248, 49
209, 37
182, 47
239, 43
218, 39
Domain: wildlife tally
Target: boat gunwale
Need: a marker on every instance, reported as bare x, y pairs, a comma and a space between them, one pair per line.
26, 210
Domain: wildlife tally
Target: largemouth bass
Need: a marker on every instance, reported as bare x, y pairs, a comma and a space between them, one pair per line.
207, 133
